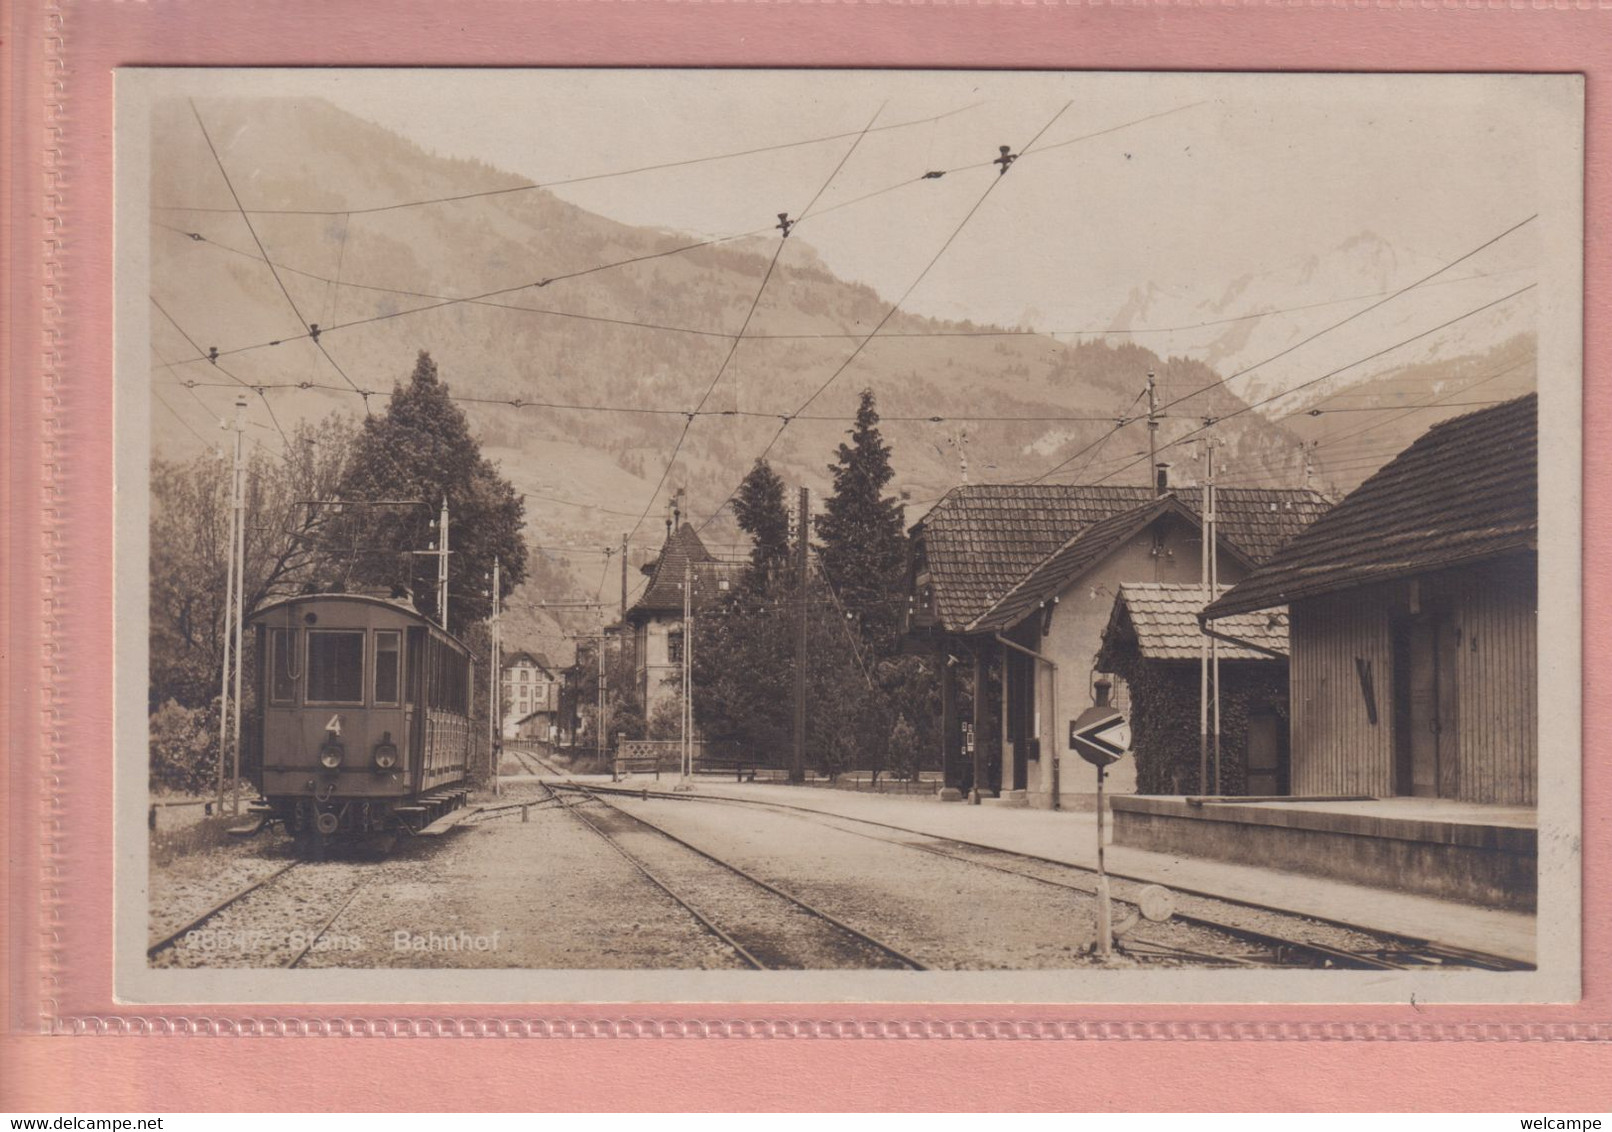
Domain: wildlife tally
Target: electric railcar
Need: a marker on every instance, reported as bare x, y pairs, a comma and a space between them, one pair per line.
363, 721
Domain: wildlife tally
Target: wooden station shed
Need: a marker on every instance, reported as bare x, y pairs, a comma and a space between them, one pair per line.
1414, 620
1154, 643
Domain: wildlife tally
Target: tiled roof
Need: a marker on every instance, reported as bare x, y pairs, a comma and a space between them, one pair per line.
1164, 618
1466, 491
983, 540
665, 591
1070, 561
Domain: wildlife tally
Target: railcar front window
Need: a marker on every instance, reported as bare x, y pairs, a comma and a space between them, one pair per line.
283, 646
335, 666
386, 654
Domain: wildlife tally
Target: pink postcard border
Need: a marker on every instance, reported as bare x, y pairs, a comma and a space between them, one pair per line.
58, 134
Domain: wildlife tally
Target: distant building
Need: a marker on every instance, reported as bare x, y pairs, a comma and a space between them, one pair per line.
1013, 585
532, 695
656, 618
1413, 607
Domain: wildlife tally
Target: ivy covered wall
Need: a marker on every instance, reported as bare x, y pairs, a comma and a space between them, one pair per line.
1164, 716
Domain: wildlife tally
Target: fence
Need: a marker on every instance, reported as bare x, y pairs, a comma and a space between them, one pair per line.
657, 756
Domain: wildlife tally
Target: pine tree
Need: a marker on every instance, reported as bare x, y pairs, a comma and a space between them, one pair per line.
864, 546
762, 514
421, 448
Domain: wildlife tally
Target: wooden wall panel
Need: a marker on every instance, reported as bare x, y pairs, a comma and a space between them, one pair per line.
1491, 753
1493, 614
1336, 748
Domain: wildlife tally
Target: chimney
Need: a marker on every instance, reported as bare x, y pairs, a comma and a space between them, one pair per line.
1161, 478
671, 507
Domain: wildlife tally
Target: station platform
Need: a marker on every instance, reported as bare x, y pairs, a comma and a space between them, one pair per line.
1428, 846
1071, 837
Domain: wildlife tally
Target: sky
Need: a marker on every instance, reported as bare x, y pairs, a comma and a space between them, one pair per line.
1233, 175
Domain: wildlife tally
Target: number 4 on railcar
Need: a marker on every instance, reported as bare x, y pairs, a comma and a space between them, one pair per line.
364, 719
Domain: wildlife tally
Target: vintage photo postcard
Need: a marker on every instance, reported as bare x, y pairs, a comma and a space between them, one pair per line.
847, 536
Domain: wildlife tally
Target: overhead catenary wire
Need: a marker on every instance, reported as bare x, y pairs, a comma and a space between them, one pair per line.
894, 307
311, 329
286, 440
179, 417
1096, 446
668, 411
1307, 339
1406, 410
1310, 338
1332, 373
577, 180
704, 332
784, 226
481, 297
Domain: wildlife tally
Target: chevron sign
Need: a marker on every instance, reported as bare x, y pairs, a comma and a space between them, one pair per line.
1100, 736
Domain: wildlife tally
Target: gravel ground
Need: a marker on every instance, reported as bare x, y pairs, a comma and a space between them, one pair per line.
1286, 925
545, 894
952, 914
780, 934
548, 894
946, 914
186, 887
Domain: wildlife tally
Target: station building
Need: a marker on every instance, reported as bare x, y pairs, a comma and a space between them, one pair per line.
1013, 586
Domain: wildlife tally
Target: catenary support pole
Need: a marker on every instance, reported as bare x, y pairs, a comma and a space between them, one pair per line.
1214, 591
442, 565
1153, 432
1105, 924
225, 638
240, 598
797, 760
1203, 641
686, 762
495, 706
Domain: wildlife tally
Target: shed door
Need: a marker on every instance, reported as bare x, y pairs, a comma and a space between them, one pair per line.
1426, 695
1265, 777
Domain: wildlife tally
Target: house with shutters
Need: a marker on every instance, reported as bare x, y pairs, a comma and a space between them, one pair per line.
1013, 586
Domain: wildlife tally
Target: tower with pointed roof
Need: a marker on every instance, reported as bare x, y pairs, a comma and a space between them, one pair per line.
656, 618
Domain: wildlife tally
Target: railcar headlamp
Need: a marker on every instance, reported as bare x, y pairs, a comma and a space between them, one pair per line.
385, 755
331, 754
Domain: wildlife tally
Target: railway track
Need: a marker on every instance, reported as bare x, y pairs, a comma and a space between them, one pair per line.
769, 934
1395, 953
298, 943
530, 759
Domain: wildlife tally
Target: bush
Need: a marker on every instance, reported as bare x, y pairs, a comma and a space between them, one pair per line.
184, 748
666, 720
903, 757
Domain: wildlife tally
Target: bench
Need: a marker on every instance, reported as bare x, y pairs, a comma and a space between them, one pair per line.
742, 769
634, 764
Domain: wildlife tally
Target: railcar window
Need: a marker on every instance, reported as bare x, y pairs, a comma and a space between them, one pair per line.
411, 683
283, 646
386, 667
335, 666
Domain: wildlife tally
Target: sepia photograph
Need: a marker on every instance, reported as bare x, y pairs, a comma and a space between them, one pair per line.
702, 535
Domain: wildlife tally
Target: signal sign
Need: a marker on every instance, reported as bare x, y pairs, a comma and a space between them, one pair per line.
1100, 736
